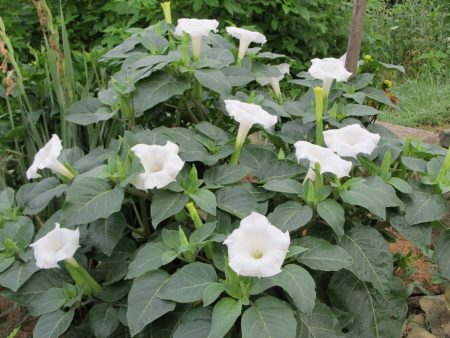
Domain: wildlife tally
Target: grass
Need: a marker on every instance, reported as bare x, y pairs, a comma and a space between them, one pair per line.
422, 101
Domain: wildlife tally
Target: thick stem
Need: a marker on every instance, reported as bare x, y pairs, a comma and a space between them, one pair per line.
82, 277
194, 215
240, 139
319, 94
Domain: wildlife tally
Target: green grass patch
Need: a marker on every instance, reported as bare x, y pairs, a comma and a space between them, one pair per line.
422, 101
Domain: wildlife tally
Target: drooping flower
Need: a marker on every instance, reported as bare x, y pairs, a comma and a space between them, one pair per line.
283, 68
257, 248
245, 37
47, 157
248, 114
196, 28
351, 140
161, 165
59, 244
329, 69
328, 160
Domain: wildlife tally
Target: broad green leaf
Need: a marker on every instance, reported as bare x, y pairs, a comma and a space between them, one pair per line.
14, 277
287, 186
236, 201
211, 293
321, 255
114, 292
332, 213
20, 231
89, 199
188, 283
259, 194
156, 89
372, 260
213, 79
195, 324
144, 305
400, 185
418, 234
255, 157
225, 174
353, 109
358, 97
321, 322
277, 170
103, 320
201, 234
105, 233
296, 281
206, 200
5, 262
422, 207
268, 317
442, 253
238, 76
415, 164
88, 111
166, 203
148, 258
295, 130
49, 301
153, 41
53, 325
378, 95
6, 199
34, 197
213, 132
375, 315
225, 313
290, 216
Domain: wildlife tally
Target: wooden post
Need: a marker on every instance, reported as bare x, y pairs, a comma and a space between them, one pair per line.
354, 39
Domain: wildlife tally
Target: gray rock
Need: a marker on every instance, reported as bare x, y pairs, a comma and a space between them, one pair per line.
444, 138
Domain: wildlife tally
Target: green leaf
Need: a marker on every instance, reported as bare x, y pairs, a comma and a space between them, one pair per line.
49, 301
14, 277
353, 109
236, 201
358, 97
290, 216
20, 231
442, 253
332, 213
34, 197
211, 293
103, 320
153, 41
188, 283
148, 258
254, 156
206, 200
225, 174
276, 170
156, 89
374, 315
400, 185
422, 207
418, 234
321, 255
269, 317
200, 235
5, 261
287, 186
378, 95
296, 281
6, 199
225, 313
53, 325
372, 260
415, 164
166, 203
105, 233
213, 79
88, 111
144, 305
321, 322
195, 324
89, 199
238, 76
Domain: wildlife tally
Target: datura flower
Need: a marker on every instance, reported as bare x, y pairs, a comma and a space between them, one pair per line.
329, 69
328, 160
351, 140
245, 37
47, 157
161, 165
248, 114
283, 68
59, 244
257, 248
196, 28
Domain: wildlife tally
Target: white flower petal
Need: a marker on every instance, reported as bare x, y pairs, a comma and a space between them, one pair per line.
351, 140
283, 68
196, 27
161, 165
249, 114
329, 69
241, 33
59, 244
328, 160
257, 248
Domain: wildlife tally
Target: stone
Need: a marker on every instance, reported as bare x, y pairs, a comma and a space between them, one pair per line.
444, 138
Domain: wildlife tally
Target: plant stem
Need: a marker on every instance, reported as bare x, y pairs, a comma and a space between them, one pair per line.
194, 215
82, 277
236, 154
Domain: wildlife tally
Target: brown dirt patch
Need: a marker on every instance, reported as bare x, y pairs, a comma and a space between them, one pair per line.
11, 317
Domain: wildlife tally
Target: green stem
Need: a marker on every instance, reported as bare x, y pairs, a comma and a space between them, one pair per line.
82, 277
236, 154
194, 215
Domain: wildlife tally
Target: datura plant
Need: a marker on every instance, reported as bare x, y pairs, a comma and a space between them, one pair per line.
221, 207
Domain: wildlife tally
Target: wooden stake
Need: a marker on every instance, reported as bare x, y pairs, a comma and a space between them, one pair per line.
354, 39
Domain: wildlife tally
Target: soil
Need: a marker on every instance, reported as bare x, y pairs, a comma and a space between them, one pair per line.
12, 317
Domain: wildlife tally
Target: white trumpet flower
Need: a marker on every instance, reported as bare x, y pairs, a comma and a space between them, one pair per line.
329, 69
245, 37
283, 68
196, 28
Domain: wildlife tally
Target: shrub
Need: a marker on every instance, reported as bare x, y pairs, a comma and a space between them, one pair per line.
189, 229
